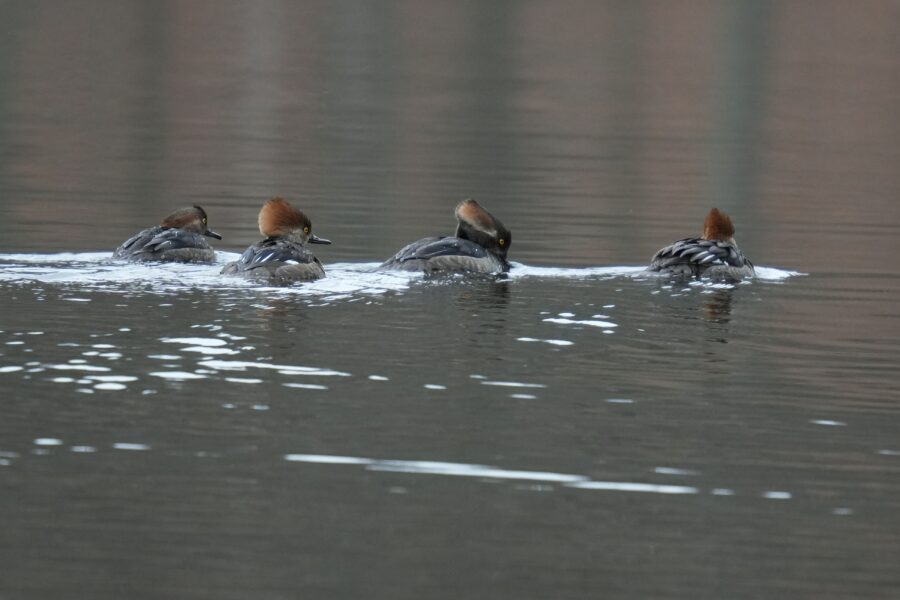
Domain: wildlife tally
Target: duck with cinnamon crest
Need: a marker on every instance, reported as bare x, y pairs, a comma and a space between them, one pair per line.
715, 255
179, 238
282, 257
479, 246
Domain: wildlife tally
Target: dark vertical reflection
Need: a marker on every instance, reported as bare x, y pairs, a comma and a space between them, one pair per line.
147, 115
487, 59
742, 92
14, 27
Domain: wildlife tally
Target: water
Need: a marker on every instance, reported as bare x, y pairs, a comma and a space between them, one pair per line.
573, 430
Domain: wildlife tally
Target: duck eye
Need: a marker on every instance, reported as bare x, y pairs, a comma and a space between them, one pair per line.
306, 230
501, 241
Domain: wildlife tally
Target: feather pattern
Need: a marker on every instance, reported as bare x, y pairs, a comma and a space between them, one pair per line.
277, 260
479, 246
166, 244
445, 254
696, 256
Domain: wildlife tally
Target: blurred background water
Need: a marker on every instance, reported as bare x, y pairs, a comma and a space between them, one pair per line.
570, 431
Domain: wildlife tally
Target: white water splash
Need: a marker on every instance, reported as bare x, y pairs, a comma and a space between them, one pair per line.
99, 272
426, 467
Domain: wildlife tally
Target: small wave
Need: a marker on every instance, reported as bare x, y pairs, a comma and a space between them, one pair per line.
97, 271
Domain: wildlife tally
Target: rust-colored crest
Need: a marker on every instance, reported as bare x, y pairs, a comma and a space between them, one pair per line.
278, 218
717, 226
472, 213
185, 218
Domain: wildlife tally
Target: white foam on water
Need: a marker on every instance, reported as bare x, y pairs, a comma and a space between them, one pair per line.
630, 486
48, 442
98, 271
515, 384
828, 423
110, 386
210, 351
176, 375
130, 446
559, 342
673, 471
83, 449
196, 341
243, 365
452, 469
326, 459
777, 495
521, 271
589, 322
551, 342
78, 367
305, 386
775, 274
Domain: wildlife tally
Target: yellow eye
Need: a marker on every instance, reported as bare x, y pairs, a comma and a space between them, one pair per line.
502, 242
306, 230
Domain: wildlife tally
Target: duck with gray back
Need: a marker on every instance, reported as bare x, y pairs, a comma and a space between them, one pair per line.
714, 255
282, 257
479, 246
181, 237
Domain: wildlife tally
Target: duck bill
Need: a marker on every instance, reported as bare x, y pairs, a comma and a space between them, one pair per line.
212, 234
314, 239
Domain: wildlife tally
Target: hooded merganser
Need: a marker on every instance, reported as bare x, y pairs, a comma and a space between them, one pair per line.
715, 255
179, 238
282, 257
479, 246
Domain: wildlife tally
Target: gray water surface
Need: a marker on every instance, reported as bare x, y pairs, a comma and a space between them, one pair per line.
573, 430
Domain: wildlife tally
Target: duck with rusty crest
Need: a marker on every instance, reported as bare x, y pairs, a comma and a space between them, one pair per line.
714, 255
282, 257
479, 246
181, 237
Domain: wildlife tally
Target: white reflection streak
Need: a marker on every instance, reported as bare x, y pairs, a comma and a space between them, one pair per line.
627, 486
242, 365
592, 323
488, 472
464, 470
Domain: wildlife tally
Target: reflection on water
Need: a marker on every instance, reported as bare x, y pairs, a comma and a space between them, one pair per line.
575, 429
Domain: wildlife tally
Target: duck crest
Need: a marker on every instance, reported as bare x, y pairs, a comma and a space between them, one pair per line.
192, 217
469, 211
278, 218
717, 226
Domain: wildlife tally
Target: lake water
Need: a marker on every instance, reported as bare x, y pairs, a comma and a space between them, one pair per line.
573, 430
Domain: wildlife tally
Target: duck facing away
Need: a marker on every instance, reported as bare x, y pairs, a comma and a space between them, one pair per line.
714, 255
282, 257
479, 246
181, 237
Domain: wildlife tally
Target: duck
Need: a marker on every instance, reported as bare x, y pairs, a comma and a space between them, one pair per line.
282, 257
714, 255
181, 237
480, 245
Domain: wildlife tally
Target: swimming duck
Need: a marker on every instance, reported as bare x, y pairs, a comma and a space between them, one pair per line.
179, 238
714, 255
282, 257
479, 246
